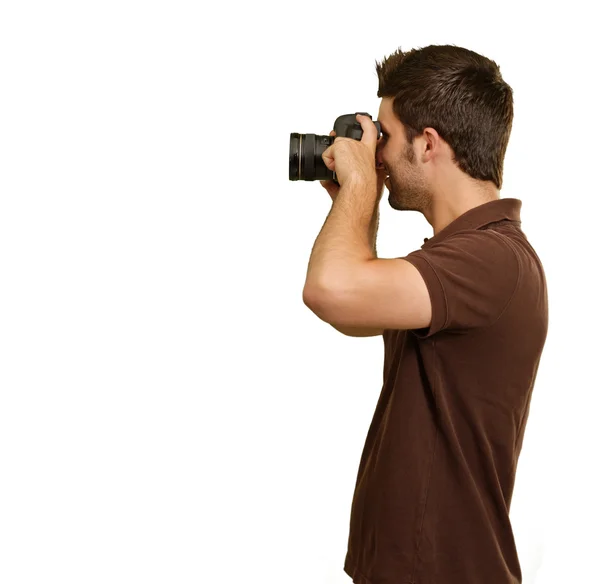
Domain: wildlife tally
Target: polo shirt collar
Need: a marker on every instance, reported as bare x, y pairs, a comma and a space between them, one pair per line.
477, 217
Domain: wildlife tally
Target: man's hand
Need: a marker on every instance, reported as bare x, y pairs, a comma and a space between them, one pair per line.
333, 189
354, 160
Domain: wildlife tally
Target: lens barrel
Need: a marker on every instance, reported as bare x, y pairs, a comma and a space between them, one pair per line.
306, 157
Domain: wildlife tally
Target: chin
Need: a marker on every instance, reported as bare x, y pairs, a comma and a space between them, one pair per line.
393, 203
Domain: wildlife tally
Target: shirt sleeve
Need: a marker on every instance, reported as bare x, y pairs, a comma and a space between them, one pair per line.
471, 277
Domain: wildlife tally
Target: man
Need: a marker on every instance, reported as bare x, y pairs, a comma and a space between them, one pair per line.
464, 322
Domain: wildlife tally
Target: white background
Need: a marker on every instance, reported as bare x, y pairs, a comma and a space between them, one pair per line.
170, 410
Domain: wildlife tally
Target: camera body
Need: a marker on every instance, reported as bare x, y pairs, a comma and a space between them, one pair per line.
306, 150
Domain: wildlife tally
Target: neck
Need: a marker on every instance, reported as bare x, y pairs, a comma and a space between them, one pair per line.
448, 206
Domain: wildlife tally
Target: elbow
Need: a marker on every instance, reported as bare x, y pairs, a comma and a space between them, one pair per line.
311, 296
316, 298
324, 302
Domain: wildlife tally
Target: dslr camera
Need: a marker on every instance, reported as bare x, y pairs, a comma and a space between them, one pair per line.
306, 150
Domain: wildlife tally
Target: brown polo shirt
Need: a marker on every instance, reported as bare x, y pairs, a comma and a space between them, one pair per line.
436, 476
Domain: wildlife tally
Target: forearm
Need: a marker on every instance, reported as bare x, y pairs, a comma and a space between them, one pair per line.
348, 236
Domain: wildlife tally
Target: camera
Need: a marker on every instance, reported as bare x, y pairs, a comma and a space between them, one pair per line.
306, 150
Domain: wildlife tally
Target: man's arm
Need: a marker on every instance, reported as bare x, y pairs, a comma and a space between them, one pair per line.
347, 238
351, 331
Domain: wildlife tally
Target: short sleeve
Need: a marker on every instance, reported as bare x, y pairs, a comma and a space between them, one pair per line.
471, 277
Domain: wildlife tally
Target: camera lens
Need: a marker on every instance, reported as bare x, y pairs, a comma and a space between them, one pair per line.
306, 157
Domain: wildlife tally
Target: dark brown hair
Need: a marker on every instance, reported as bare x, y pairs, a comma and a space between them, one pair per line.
459, 93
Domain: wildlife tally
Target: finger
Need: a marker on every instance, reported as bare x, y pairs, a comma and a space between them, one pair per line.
328, 158
369, 136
